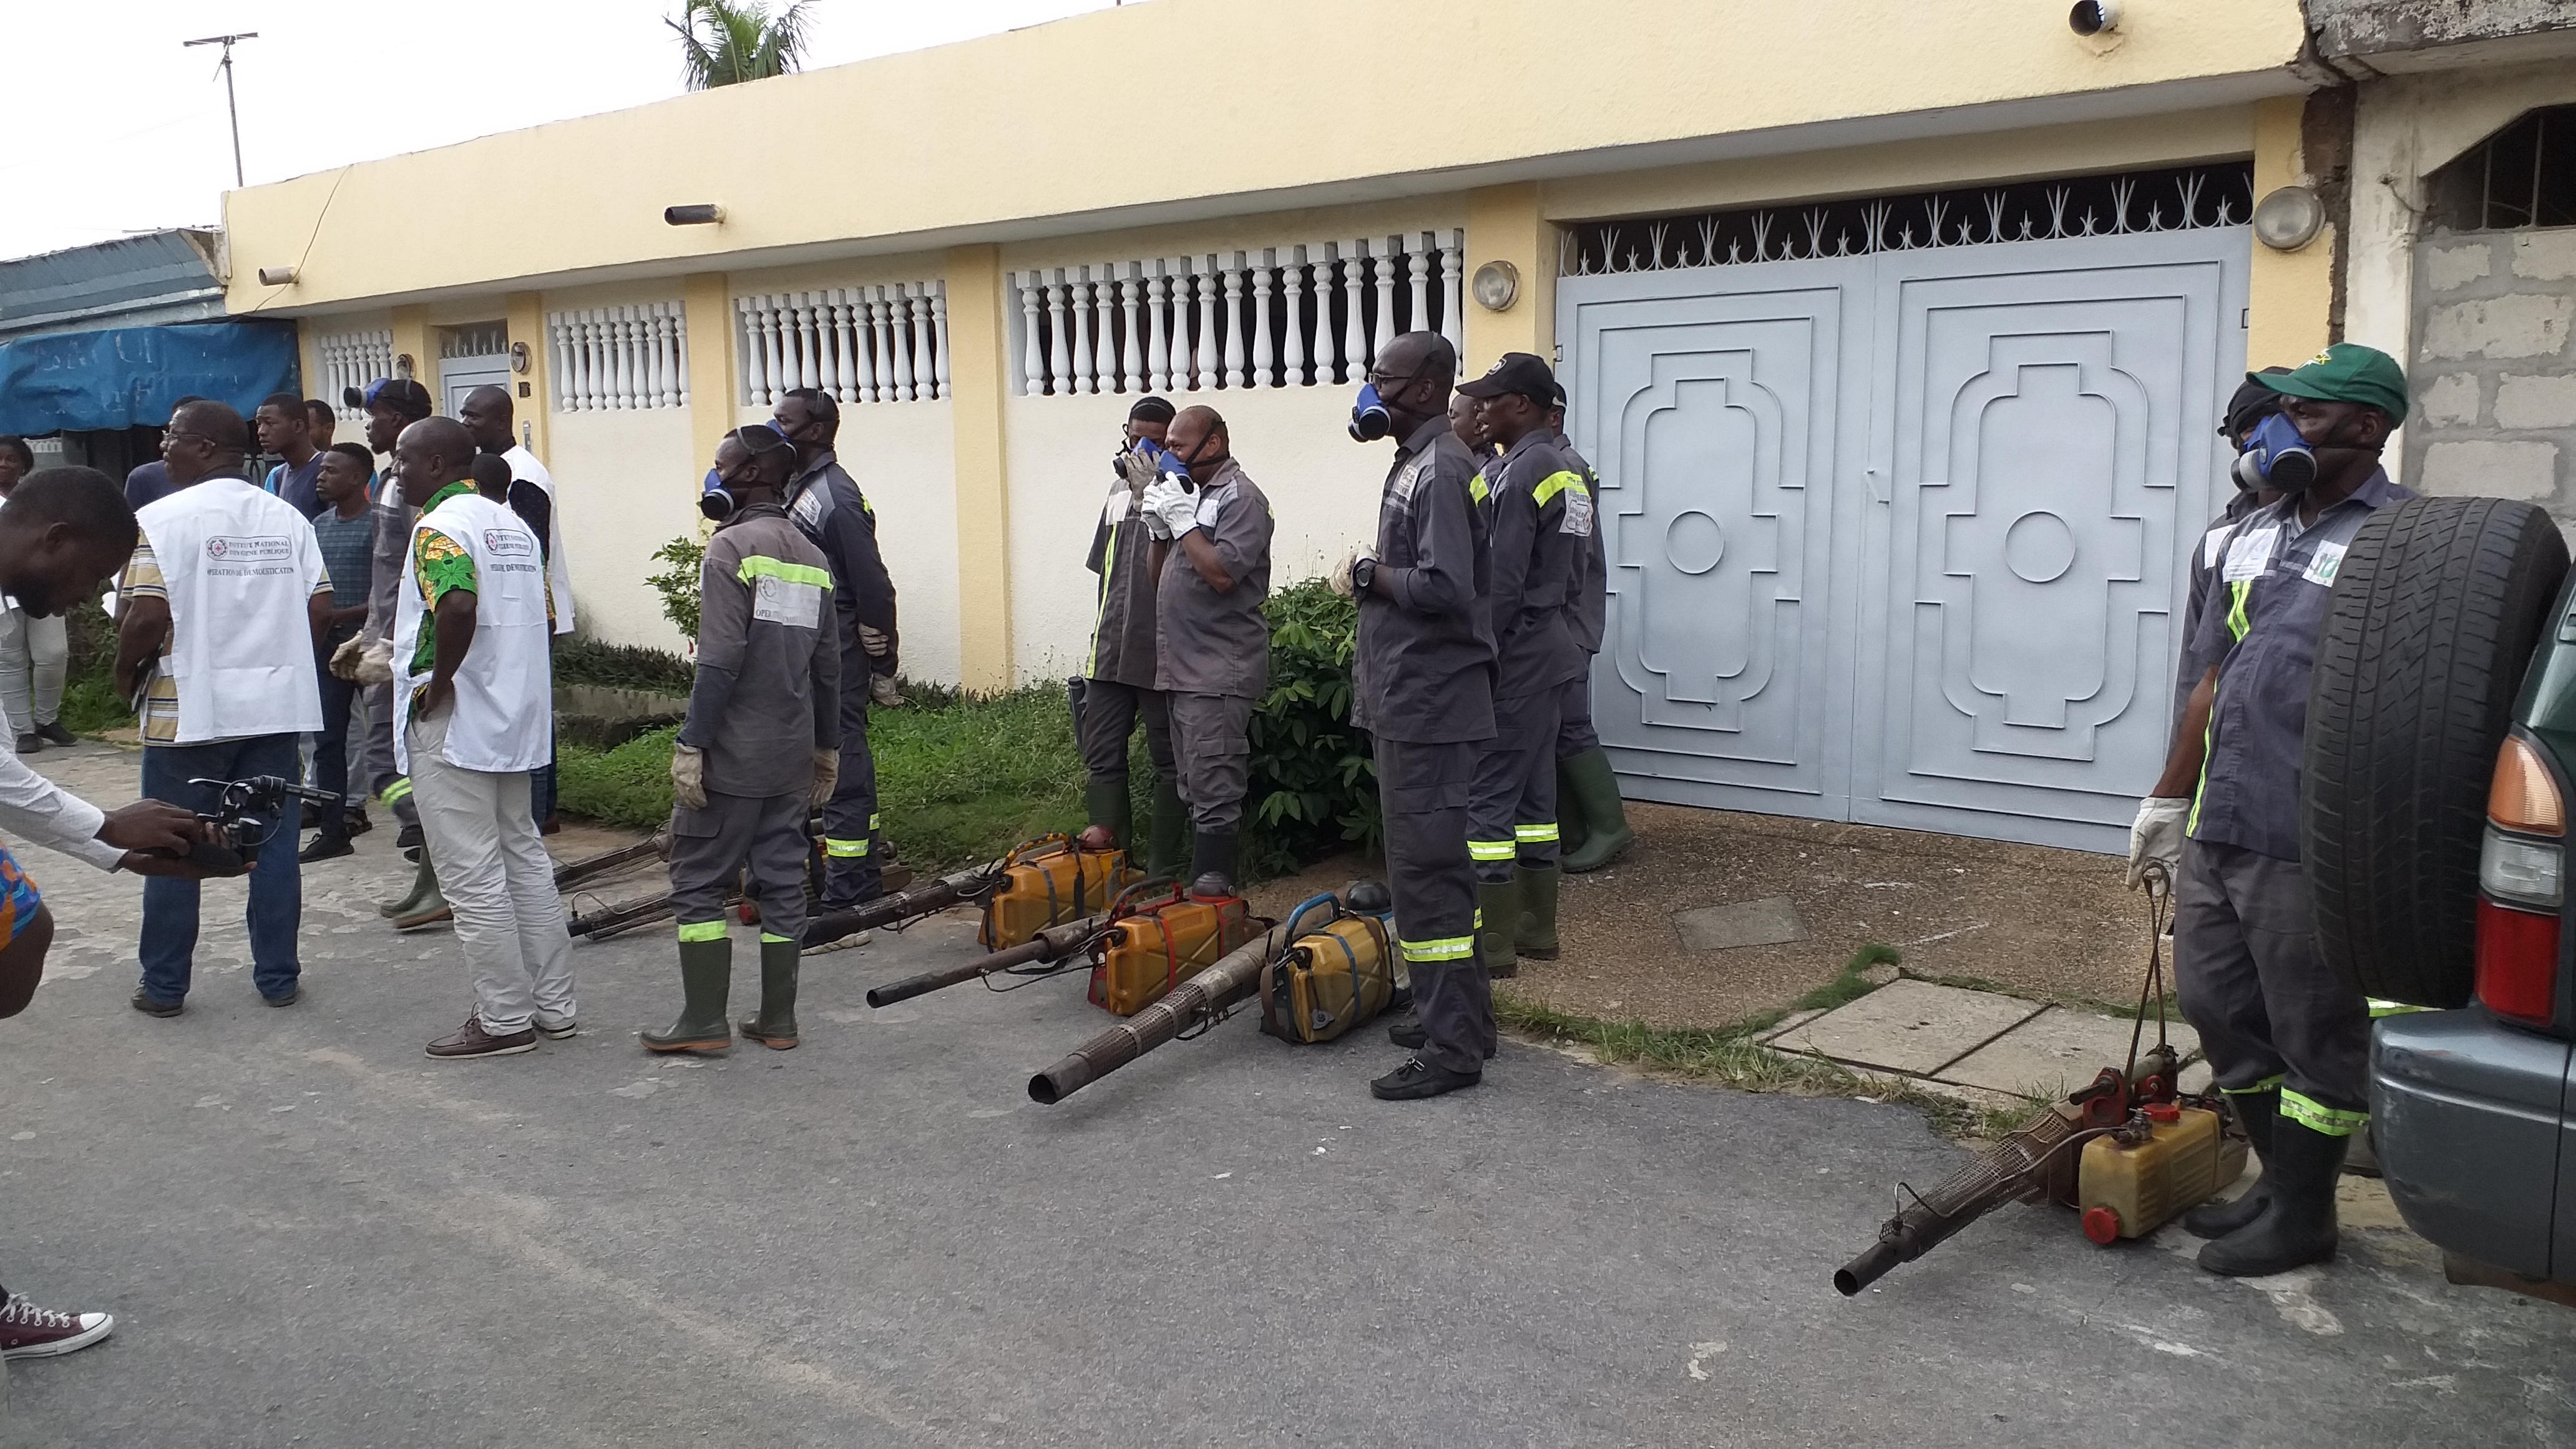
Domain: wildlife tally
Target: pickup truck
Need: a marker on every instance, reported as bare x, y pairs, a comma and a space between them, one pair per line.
2441, 747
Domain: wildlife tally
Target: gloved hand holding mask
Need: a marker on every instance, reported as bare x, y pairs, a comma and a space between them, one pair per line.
1158, 496
2156, 838
1179, 508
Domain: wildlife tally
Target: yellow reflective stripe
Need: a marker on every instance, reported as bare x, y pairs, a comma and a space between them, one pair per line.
1480, 918
1553, 484
702, 930
2200, 787
399, 789
2316, 1116
844, 849
875, 823
2271, 1083
1448, 948
756, 566
2237, 595
2379, 1008
1489, 849
1100, 614
768, 936
1477, 491
1528, 833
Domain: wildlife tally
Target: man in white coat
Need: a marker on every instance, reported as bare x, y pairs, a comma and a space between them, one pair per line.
490, 416
474, 713
221, 609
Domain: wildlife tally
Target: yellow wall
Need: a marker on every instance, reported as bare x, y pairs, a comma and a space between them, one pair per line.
525, 313
2291, 294
1612, 83
978, 335
1504, 224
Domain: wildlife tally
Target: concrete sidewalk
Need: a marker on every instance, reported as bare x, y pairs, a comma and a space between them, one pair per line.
313, 1235
1982, 1046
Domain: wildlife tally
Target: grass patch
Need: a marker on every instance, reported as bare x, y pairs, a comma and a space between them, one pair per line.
1852, 984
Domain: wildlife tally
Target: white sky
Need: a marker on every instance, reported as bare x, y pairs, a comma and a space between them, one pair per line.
98, 152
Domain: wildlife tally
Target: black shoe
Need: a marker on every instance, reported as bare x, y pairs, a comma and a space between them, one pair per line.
312, 818
359, 824
293, 995
1418, 1079
409, 839
30, 744
151, 1005
411, 853
2297, 1226
1406, 1031
326, 847
54, 733
2256, 1112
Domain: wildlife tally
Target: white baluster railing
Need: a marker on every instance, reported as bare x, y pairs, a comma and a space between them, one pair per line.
886, 342
635, 356
352, 359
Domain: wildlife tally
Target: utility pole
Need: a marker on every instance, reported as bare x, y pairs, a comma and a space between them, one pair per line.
230, 109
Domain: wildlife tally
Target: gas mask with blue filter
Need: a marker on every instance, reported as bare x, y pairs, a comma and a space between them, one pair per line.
715, 500
2276, 457
1370, 420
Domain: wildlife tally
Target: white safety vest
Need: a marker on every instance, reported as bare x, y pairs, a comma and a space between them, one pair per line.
503, 717
524, 464
240, 566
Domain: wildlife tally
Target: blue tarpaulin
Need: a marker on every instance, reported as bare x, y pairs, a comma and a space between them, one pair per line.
130, 376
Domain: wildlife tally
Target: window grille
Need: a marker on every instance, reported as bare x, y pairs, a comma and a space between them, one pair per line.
352, 359
2523, 175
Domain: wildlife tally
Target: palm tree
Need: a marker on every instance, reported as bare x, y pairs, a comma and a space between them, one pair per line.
726, 41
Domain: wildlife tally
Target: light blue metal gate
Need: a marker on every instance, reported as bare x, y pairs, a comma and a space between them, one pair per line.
1901, 537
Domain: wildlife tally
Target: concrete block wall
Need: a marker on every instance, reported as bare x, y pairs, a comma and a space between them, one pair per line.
2494, 370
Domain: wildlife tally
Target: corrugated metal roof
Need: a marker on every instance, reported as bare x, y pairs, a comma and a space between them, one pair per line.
162, 276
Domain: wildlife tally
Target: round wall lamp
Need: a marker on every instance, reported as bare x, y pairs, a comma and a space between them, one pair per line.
2288, 218
1496, 285
518, 357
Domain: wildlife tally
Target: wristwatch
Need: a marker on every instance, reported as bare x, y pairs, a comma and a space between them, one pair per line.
1361, 572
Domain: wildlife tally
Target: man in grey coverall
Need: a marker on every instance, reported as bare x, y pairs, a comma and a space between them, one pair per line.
1211, 643
1422, 685
1118, 676
761, 743
2287, 1038
1541, 517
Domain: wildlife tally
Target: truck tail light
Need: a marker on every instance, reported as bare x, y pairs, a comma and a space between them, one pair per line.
2522, 887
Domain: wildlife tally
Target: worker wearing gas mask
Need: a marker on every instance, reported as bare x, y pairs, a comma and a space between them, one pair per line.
1422, 686
1541, 520
1118, 677
1211, 643
761, 745
2287, 1039
824, 502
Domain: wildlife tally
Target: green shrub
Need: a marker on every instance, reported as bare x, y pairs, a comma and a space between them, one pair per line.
629, 785
1314, 785
621, 666
90, 701
677, 583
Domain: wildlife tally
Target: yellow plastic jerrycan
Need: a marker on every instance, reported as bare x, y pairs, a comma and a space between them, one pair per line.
2129, 1191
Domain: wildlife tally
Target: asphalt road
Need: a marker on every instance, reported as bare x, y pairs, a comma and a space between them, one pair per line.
311, 1234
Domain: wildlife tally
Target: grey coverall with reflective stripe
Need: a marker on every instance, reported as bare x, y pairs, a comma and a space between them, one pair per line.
1587, 613
1212, 650
1118, 678
768, 696
827, 507
2269, 1011
1422, 686
388, 552
1541, 518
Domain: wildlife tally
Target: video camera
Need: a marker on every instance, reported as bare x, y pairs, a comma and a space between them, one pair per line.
239, 829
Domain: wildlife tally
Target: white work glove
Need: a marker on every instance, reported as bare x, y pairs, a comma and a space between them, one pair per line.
882, 689
689, 777
872, 641
375, 663
2156, 838
1158, 493
344, 660
827, 776
1180, 511
1341, 579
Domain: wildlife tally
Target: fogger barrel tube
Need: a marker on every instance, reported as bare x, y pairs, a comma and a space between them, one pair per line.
921, 900
2013, 1168
1050, 944
1231, 979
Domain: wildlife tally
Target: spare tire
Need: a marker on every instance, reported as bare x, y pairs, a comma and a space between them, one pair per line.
2436, 610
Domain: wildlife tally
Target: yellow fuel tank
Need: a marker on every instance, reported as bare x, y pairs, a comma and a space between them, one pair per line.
2129, 1191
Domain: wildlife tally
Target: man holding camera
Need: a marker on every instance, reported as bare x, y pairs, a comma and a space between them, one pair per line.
221, 611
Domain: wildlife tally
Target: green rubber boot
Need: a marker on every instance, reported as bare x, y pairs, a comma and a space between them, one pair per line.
1106, 801
775, 1027
426, 906
1537, 916
706, 972
1170, 854
1571, 831
1605, 816
424, 882
1498, 914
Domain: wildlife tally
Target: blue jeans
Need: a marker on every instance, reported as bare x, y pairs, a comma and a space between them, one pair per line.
331, 754
169, 945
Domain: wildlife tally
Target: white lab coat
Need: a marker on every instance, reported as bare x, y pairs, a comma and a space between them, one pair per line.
504, 708
240, 566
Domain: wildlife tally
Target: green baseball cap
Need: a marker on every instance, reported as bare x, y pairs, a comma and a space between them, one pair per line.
2344, 372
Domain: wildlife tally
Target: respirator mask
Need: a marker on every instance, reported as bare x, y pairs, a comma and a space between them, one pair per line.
2276, 457
1370, 420
714, 499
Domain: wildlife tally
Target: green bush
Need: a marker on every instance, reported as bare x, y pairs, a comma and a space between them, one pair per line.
90, 701
678, 582
1314, 785
620, 666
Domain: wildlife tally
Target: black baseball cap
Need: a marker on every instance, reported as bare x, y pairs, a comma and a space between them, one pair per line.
399, 393
1518, 374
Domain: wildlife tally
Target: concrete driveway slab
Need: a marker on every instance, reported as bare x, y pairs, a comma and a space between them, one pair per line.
1771, 921
2057, 1051
1909, 1026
